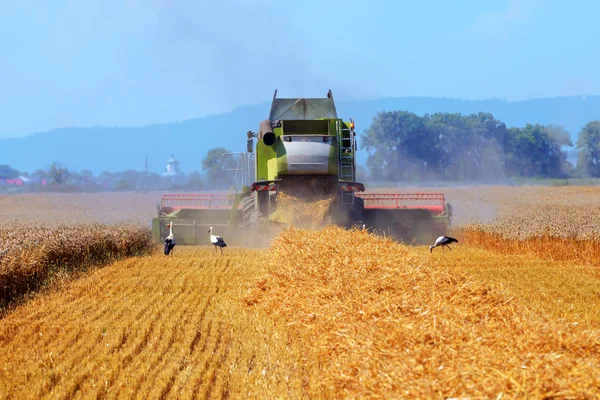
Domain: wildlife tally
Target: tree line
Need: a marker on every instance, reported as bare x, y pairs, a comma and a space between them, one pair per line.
403, 146
58, 177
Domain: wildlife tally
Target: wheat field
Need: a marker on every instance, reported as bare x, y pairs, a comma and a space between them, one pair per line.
71, 209
325, 314
33, 257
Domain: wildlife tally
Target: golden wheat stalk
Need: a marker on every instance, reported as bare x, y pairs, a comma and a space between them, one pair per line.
29, 255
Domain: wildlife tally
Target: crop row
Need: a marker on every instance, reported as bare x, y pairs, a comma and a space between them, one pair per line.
30, 256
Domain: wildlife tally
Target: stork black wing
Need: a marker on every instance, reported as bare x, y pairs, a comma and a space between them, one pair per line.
169, 244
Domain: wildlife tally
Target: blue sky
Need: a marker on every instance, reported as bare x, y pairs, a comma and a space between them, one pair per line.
139, 62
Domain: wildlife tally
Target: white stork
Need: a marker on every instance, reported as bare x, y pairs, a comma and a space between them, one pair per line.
170, 241
217, 241
443, 241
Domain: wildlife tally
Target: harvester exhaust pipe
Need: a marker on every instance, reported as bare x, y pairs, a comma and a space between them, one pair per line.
266, 133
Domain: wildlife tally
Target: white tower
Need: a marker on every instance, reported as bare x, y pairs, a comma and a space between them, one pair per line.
172, 171
172, 167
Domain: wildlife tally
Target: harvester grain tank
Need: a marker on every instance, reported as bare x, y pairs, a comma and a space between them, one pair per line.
306, 151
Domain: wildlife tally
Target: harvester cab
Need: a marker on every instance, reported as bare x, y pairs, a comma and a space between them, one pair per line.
302, 151
305, 151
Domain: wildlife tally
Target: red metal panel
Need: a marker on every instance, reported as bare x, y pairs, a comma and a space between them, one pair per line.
197, 201
434, 202
435, 209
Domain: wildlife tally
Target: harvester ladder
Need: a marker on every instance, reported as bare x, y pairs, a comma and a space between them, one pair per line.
347, 160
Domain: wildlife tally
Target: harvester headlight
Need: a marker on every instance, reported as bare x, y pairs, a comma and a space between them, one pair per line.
326, 139
287, 138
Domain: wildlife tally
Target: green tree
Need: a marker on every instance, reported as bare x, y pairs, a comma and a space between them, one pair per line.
87, 174
398, 146
194, 181
404, 146
534, 151
212, 160
559, 135
375, 164
217, 175
588, 149
361, 173
40, 174
486, 146
59, 173
6, 172
122, 185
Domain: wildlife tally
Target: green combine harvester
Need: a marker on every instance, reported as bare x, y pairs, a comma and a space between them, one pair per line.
304, 150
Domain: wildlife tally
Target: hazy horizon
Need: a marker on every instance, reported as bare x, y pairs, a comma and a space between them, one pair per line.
267, 104
138, 63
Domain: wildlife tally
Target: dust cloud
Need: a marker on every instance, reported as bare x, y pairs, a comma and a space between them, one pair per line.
301, 213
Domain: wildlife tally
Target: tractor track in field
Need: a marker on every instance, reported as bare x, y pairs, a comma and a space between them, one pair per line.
159, 357
149, 326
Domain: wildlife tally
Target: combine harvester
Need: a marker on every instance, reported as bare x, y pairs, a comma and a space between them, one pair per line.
306, 151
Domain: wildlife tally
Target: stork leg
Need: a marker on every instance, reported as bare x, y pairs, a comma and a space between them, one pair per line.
449, 248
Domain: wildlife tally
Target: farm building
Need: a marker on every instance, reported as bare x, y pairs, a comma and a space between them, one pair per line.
172, 171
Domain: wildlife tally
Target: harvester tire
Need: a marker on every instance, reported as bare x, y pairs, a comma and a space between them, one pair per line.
256, 221
248, 205
254, 229
357, 212
247, 210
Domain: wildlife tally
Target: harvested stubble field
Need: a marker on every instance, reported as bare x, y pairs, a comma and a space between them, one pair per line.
327, 315
152, 327
315, 320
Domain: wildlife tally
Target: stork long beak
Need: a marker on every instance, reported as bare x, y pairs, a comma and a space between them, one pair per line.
208, 231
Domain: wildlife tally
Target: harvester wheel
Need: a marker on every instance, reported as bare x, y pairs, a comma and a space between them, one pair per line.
256, 221
255, 230
247, 210
357, 212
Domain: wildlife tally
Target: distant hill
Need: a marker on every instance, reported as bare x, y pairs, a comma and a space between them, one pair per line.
119, 148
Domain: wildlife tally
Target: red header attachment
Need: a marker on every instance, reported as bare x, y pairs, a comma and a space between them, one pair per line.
434, 202
175, 201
